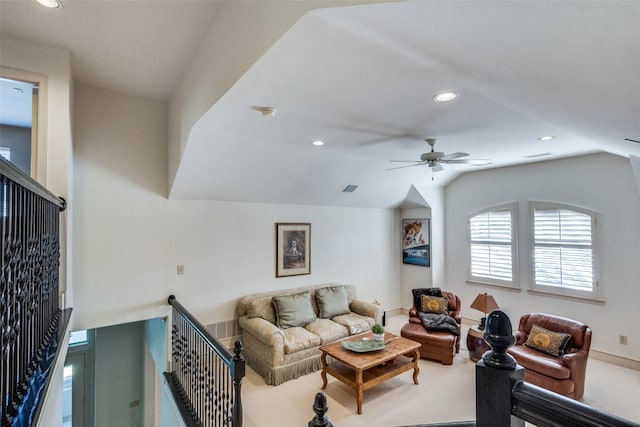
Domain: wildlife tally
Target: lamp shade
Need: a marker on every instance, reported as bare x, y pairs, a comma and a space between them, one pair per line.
484, 303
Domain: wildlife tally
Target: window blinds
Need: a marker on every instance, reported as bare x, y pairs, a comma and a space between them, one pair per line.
563, 253
491, 245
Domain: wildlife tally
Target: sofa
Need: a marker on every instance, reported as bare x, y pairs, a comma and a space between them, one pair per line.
283, 330
438, 343
553, 351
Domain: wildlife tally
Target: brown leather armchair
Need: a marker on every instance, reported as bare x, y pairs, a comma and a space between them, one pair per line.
437, 345
564, 374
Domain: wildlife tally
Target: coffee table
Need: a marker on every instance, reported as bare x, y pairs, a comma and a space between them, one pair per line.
361, 371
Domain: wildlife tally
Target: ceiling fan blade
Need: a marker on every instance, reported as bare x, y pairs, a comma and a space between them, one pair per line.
454, 156
632, 140
406, 161
476, 162
407, 166
437, 167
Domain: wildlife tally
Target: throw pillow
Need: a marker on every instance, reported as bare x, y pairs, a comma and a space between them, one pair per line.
332, 301
431, 304
418, 292
293, 310
262, 307
547, 341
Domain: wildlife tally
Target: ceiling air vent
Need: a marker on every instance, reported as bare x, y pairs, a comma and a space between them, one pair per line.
350, 188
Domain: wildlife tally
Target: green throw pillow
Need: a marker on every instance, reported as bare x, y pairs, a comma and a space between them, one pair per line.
546, 341
293, 310
332, 301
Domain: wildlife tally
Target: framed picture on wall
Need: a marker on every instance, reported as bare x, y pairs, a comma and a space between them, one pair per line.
293, 249
416, 245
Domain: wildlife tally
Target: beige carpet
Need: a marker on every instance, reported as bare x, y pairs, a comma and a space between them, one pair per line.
445, 393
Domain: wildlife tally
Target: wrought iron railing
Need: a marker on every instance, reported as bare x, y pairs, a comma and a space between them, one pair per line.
206, 378
30, 316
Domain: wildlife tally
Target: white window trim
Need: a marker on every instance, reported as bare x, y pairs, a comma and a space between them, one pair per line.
594, 294
39, 125
477, 280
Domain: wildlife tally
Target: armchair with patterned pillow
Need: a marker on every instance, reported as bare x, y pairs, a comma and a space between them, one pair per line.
553, 351
434, 322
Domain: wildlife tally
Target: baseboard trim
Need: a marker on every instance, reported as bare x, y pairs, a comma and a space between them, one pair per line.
615, 359
397, 311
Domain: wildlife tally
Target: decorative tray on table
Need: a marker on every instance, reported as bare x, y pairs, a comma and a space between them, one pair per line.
363, 346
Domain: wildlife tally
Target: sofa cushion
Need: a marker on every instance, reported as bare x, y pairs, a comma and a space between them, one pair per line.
293, 310
328, 330
298, 338
437, 305
332, 301
354, 322
262, 307
547, 341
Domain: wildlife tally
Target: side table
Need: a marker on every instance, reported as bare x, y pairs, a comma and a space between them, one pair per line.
476, 343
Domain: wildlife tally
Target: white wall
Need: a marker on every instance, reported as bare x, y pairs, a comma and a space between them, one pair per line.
120, 243
130, 237
228, 250
600, 182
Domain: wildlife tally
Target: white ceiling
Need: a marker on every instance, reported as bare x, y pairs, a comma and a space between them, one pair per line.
361, 78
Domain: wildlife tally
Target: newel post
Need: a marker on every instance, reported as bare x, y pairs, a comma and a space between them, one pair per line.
496, 374
238, 374
320, 408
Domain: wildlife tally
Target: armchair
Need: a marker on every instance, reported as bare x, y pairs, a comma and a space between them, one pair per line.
563, 373
440, 345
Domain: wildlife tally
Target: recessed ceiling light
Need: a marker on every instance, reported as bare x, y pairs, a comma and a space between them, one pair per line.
546, 138
445, 96
318, 143
268, 111
51, 4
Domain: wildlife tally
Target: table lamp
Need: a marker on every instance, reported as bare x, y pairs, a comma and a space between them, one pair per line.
484, 303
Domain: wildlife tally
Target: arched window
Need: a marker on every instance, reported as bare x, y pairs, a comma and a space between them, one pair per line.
492, 245
563, 249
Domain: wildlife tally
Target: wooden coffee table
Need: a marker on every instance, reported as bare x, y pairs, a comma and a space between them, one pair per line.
361, 371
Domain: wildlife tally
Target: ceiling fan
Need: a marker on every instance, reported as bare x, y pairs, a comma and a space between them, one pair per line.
434, 159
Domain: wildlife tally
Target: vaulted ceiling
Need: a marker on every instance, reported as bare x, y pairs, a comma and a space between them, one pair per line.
361, 78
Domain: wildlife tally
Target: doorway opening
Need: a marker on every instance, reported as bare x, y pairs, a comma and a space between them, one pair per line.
23, 120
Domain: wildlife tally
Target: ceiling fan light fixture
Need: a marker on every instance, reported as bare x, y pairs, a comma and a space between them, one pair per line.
546, 138
50, 4
445, 96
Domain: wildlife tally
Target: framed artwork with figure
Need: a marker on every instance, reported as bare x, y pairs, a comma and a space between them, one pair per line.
293, 249
416, 246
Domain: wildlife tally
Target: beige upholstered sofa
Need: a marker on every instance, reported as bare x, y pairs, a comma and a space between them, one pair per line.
281, 334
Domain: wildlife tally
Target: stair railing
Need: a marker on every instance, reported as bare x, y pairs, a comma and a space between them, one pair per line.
31, 322
206, 379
